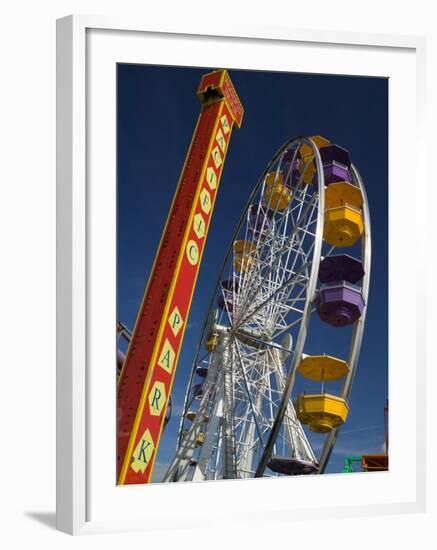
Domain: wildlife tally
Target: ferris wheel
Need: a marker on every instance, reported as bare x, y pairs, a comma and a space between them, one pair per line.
299, 255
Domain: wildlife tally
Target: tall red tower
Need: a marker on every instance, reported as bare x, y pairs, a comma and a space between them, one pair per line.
147, 375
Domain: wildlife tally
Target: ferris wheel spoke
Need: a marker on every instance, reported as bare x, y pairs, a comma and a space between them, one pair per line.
305, 267
286, 289
276, 293
283, 250
249, 395
283, 220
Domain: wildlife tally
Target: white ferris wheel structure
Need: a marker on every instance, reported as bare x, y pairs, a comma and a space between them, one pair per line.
241, 417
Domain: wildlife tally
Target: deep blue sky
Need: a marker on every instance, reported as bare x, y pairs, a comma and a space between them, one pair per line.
157, 111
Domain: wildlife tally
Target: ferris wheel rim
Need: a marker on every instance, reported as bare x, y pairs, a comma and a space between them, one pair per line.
357, 337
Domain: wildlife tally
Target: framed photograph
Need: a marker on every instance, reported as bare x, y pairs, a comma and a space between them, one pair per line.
234, 210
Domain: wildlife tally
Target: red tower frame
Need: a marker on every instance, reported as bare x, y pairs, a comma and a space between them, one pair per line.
148, 371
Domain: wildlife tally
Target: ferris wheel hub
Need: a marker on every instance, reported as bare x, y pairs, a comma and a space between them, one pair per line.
252, 338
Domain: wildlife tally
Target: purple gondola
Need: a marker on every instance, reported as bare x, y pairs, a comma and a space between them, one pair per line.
225, 298
198, 390
260, 219
202, 372
339, 304
291, 168
335, 153
335, 171
341, 267
291, 466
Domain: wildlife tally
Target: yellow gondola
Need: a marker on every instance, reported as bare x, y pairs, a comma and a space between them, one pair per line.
343, 225
307, 152
307, 158
191, 415
243, 255
276, 194
211, 343
323, 368
321, 412
341, 193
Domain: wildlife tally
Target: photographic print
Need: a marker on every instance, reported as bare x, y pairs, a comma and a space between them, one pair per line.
252, 274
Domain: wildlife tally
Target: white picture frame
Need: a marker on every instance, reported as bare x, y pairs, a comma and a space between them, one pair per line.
81, 75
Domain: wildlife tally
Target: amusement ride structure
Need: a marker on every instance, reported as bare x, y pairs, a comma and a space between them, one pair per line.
301, 249
285, 264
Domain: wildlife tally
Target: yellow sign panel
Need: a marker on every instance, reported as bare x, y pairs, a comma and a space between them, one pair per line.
216, 157
192, 252
175, 321
211, 178
143, 453
225, 124
205, 201
221, 140
157, 398
167, 357
199, 226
